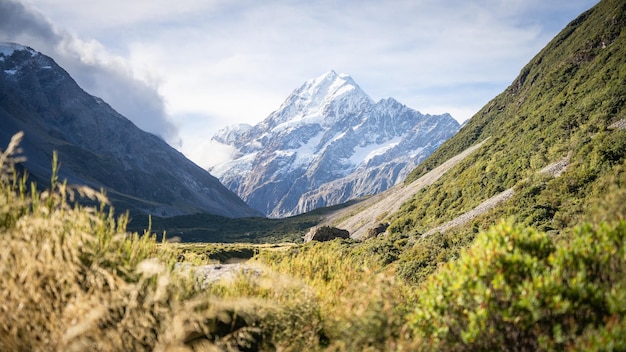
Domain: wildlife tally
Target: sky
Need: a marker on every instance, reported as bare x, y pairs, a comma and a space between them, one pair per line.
185, 69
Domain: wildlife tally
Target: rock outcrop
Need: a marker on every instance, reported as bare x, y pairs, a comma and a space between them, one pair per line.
376, 230
325, 233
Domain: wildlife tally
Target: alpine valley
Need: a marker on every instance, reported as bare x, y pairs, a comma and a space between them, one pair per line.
511, 236
328, 143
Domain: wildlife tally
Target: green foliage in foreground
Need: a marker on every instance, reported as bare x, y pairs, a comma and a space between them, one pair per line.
515, 290
362, 305
73, 279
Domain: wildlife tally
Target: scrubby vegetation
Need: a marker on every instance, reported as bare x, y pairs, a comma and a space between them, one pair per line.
73, 278
514, 289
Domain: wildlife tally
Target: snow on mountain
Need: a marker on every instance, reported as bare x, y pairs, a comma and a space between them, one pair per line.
7, 49
230, 134
327, 143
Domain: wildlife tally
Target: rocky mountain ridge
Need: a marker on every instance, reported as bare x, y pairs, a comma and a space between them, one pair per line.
329, 142
97, 146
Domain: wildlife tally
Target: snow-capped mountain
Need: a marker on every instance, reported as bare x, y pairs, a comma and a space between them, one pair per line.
329, 142
97, 146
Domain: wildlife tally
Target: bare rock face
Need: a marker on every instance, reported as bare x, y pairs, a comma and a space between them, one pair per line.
97, 146
325, 233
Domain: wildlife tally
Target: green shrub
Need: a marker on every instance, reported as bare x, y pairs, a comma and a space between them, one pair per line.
513, 289
426, 254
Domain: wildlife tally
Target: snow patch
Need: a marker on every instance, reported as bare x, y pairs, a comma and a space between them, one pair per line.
416, 152
240, 166
366, 153
256, 144
307, 152
300, 120
7, 49
10, 72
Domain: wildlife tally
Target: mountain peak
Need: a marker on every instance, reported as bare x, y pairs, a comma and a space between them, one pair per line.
389, 102
329, 82
317, 98
329, 142
7, 49
332, 74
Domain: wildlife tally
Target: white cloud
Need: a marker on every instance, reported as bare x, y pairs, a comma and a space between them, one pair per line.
208, 152
98, 72
225, 62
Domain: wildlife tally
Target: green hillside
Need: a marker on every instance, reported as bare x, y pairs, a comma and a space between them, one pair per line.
562, 104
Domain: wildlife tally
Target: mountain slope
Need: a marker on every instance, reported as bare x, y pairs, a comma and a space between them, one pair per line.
564, 105
363, 216
97, 146
552, 146
327, 143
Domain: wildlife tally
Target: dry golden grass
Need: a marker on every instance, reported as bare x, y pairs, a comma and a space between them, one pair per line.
73, 279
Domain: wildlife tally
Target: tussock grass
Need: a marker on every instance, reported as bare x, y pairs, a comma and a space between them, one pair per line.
73, 279
362, 304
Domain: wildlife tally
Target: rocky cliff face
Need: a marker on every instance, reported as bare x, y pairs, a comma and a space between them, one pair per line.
329, 142
97, 146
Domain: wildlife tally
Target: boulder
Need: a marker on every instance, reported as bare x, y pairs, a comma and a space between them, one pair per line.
375, 231
325, 233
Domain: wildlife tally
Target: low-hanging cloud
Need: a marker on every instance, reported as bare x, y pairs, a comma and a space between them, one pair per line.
96, 71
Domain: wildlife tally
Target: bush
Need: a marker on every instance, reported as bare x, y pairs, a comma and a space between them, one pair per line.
513, 289
362, 305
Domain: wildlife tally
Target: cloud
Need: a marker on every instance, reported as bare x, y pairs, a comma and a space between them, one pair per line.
196, 146
221, 62
260, 52
88, 62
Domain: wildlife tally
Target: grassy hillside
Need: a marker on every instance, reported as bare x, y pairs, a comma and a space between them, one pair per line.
573, 88
560, 105
566, 105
